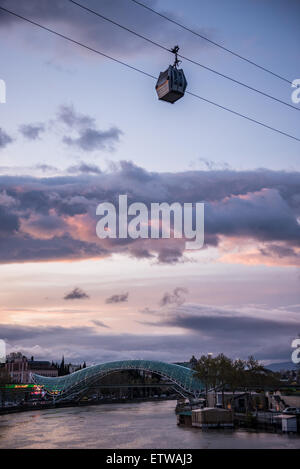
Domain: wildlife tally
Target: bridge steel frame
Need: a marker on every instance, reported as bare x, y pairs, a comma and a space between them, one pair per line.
72, 386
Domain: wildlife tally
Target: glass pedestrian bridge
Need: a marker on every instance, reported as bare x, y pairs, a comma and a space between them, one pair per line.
183, 379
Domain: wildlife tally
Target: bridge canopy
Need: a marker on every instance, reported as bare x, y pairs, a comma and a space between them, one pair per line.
182, 377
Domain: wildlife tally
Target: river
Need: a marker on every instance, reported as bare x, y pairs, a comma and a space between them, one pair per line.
120, 426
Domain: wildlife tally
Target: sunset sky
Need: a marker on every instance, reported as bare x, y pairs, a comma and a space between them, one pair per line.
78, 129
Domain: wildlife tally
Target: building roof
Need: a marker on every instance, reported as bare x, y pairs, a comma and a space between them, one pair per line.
38, 365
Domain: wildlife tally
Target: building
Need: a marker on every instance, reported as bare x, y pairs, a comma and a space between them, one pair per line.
279, 400
20, 368
17, 367
43, 368
239, 401
289, 423
72, 368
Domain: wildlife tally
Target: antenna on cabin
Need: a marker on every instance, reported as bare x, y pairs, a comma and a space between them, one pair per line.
176, 61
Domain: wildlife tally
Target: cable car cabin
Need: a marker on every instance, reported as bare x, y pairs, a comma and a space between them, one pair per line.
171, 84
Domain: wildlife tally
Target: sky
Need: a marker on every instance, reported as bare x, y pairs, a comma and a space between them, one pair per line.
78, 129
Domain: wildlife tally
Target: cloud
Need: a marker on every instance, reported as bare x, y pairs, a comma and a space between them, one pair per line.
32, 131
74, 119
100, 324
214, 319
250, 216
93, 139
256, 214
6, 200
210, 165
25, 248
46, 168
248, 330
95, 32
84, 168
120, 298
5, 139
9, 222
223, 326
82, 134
276, 250
86, 343
88, 137
176, 297
76, 294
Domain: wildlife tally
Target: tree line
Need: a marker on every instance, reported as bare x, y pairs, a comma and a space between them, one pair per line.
221, 373
64, 369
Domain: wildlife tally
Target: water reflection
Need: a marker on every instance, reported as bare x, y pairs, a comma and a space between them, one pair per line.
136, 425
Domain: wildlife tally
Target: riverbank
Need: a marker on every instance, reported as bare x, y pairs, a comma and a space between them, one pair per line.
51, 405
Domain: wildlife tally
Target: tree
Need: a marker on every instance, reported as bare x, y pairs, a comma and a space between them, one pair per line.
224, 368
237, 375
222, 372
63, 369
193, 362
206, 372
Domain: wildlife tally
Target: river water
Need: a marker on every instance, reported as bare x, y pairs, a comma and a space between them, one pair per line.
120, 426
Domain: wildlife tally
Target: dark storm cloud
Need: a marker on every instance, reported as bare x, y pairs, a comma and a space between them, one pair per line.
32, 131
5, 139
46, 224
251, 331
34, 200
24, 248
72, 206
118, 298
9, 222
223, 326
257, 214
259, 205
88, 28
177, 297
85, 343
76, 294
